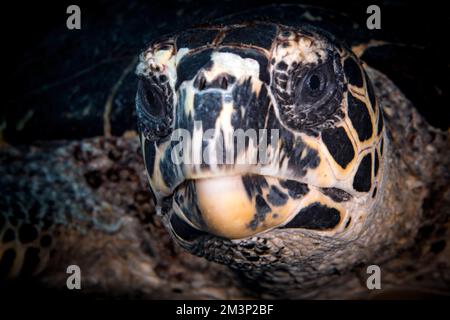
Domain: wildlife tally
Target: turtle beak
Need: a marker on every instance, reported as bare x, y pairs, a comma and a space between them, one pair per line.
236, 206
230, 212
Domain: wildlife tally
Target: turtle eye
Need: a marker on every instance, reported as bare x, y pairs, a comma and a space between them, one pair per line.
153, 108
150, 99
315, 86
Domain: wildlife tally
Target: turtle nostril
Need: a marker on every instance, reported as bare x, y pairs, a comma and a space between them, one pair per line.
224, 83
200, 83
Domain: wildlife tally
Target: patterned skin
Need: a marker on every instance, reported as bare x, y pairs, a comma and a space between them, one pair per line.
324, 170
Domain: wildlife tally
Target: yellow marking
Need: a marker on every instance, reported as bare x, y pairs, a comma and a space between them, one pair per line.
299, 49
358, 92
322, 175
228, 211
359, 49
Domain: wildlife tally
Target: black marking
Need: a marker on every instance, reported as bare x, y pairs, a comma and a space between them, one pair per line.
297, 163
315, 216
286, 33
195, 38
31, 261
189, 204
370, 92
247, 53
381, 146
149, 152
46, 241
9, 236
93, 178
262, 209
374, 192
282, 76
281, 66
189, 65
380, 122
360, 117
27, 233
206, 163
254, 184
295, 189
200, 82
339, 145
162, 78
259, 35
183, 229
277, 197
222, 81
353, 72
376, 165
438, 246
183, 120
336, 194
363, 177
250, 257
348, 222
255, 107
207, 107
168, 171
6, 262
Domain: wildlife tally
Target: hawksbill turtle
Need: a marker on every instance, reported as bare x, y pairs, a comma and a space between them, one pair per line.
356, 176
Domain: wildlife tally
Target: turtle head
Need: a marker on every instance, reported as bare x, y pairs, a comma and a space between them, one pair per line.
258, 130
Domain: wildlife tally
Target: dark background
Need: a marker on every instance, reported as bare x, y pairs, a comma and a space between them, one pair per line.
57, 81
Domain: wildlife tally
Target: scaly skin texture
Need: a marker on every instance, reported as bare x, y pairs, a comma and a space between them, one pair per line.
94, 195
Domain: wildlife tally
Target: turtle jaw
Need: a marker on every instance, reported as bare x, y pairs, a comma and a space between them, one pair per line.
240, 206
226, 207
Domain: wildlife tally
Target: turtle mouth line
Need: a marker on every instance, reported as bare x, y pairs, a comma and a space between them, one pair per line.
240, 206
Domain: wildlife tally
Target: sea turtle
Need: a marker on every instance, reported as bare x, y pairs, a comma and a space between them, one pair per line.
333, 191
357, 177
